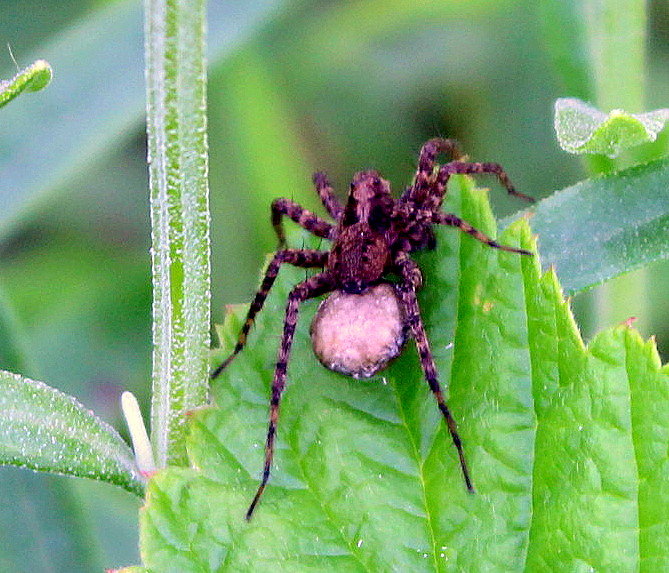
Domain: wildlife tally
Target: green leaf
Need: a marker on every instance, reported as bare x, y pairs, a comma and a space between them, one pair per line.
31, 79
606, 226
582, 128
567, 445
46, 430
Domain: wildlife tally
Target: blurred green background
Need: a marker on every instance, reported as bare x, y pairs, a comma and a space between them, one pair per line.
294, 87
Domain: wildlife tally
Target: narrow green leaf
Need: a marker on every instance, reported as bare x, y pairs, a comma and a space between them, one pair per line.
582, 128
603, 227
31, 79
177, 139
46, 430
61, 539
365, 475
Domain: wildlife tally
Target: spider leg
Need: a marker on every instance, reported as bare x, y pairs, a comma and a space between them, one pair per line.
424, 179
297, 257
327, 195
432, 148
454, 221
466, 168
312, 287
411, 280
305, 219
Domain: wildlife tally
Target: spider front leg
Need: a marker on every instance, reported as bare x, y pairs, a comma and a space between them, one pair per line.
424, 180
304, 218
312, 287
298, 257
455, 221
327, 195
466, 168
411, 280
432, 148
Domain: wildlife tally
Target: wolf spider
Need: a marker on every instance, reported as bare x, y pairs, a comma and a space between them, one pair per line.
372, 238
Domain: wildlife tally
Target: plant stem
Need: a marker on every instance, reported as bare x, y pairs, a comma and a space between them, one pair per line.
616, 36
177, 143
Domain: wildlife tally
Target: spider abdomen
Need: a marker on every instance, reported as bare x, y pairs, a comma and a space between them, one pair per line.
358, 334
358, 258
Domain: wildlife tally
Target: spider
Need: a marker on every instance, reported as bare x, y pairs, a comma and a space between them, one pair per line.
372, 240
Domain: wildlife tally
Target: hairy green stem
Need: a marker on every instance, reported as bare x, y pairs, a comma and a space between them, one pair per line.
176, 125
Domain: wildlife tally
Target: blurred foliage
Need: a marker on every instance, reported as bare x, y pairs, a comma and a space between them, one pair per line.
294, 87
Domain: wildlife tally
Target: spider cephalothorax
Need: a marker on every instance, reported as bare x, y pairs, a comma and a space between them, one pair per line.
372, 239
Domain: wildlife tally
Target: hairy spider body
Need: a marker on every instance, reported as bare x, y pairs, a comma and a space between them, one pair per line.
372, 239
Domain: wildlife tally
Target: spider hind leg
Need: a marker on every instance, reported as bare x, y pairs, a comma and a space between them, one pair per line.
312, 287
411, 280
